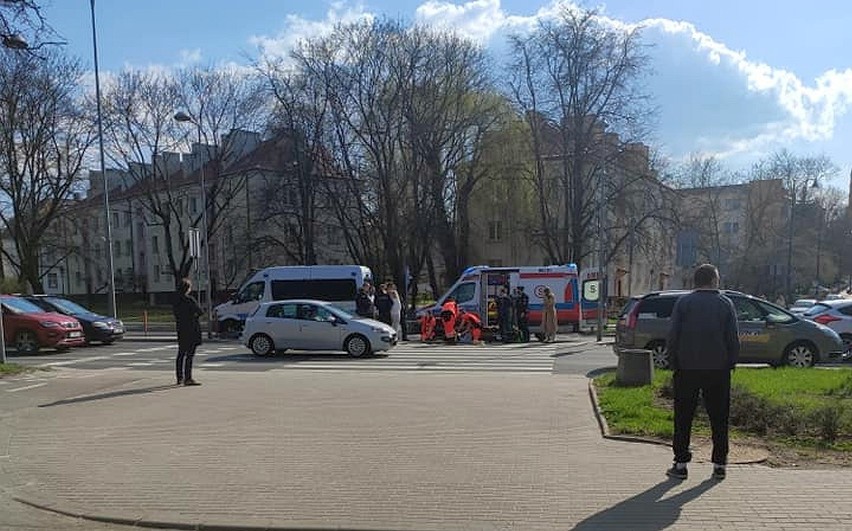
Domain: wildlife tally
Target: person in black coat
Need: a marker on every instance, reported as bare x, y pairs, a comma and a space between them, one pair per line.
383, 304
187, 312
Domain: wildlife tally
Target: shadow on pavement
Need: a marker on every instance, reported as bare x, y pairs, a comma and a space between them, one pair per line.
111, 394
291, 357
646, 511
598, 372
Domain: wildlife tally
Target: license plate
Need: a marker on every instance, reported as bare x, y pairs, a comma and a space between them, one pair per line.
118, 330
75, 334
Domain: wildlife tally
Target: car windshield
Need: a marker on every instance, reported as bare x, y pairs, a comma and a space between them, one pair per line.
803, 303
817, 309
337, 312
21, 306
69, 307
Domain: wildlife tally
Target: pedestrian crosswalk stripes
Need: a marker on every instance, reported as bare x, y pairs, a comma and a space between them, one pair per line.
536, 358
407, 356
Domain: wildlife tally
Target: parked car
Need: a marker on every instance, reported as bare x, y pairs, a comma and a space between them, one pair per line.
313, 325
96, 327
835, 314
768, 333
801, 306
29, 328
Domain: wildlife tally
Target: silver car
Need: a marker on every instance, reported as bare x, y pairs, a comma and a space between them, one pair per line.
835, 314
313, 325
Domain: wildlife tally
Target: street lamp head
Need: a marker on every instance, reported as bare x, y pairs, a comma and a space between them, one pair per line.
181, 116
15, 42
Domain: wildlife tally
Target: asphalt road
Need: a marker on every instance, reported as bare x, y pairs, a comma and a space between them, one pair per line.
571, 355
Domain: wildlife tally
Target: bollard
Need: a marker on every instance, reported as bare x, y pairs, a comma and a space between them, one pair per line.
635, 367
145, 321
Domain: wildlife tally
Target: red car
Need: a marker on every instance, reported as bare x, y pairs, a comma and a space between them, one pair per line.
29, 328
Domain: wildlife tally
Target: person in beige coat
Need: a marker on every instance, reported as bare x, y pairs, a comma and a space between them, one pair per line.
548, 316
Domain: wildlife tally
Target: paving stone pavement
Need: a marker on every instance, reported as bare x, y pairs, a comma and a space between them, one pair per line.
370, 450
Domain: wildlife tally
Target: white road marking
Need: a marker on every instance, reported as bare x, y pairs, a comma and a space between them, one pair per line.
139, 364
72, 362
212, 365
25, 388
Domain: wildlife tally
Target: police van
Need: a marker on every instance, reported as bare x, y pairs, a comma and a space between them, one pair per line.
577, 295
337, 284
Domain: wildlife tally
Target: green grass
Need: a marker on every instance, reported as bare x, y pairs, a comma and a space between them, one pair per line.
798, 408
10, 369
632, 410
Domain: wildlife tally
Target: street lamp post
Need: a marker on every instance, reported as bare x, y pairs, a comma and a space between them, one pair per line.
13, 42
184, 117
110, 261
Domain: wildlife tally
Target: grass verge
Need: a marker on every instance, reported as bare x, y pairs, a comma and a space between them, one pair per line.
10, 369
798, 408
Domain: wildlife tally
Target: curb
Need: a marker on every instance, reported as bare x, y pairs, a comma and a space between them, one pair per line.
607, 434
159, 524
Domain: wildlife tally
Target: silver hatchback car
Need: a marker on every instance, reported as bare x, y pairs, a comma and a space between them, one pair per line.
313, 325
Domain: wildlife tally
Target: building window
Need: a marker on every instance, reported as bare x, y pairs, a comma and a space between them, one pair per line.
115, 219
156, 273
495, 231
179, 207
78, 278
731, 227
127, 218
128, 244
117, 246
52, 281
193, 205
155, 245
97, 251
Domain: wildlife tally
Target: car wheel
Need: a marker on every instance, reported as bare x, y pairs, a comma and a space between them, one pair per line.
357, 346
261, 345
26, 342
659, 354
847, 342
801, 355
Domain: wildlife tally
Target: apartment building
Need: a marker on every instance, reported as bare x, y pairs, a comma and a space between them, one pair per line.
254, 214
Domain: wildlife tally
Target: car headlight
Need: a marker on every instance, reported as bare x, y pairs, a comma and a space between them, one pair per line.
101, 325
49, 324
378, 330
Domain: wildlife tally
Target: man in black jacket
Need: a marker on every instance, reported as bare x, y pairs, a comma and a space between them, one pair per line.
186, 311
703, 347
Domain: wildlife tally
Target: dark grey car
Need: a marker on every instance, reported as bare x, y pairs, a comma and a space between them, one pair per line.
768, 333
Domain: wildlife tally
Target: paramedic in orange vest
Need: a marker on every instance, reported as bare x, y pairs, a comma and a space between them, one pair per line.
449, 314
427, 327
472, 323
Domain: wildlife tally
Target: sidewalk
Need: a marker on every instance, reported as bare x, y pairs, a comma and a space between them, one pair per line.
330, 450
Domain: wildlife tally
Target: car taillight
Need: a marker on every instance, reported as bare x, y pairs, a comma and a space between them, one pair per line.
633, 316
825, 319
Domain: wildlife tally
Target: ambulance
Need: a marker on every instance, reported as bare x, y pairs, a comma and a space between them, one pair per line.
577, 295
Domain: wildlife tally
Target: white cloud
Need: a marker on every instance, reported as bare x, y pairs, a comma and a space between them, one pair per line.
190, 57
714, 98
297, 29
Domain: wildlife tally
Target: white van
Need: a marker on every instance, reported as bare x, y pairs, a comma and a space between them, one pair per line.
337, 284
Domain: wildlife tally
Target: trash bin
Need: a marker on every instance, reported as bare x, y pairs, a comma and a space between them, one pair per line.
635, 367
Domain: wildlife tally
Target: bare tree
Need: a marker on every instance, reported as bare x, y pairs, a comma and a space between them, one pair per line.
44, 135
140, 110
577, 81
227, 109
801, 176
22, 25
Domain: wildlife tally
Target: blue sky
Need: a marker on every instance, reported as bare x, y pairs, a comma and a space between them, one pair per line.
738, 79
